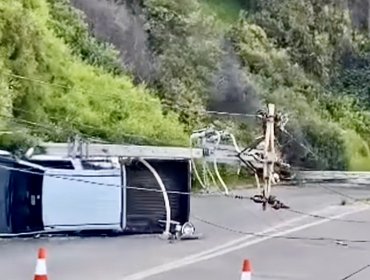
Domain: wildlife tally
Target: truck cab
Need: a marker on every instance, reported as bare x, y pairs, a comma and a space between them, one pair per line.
52, 195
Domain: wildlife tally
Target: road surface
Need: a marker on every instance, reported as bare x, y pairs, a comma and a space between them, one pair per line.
220, 253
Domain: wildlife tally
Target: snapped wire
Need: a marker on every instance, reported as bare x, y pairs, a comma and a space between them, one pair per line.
232, 196
260, 159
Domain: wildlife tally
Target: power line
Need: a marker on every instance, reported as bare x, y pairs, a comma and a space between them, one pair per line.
230, 114
338, 192
279, 236
232, 196
30, 123
137, 136
243, 197
325, 218
356, 272
143, 138
48, 127
305, 147
174, 106
73, 178
36, 80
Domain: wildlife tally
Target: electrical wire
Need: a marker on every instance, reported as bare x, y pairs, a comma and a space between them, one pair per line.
229, 196
276, 236
321, 185
73, 178
242, 197
202, 134
174, 106
128, 135
230, 114
356, 272
300, 144
326, 218
211, 174
145, 138
48, 127
29, 123
338, 192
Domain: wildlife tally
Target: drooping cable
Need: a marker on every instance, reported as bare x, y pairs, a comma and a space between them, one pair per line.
209, 171
147, 101
356, 272
279, 235
232, 196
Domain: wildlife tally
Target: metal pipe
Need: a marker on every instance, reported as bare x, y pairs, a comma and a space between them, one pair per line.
194, 167
216, 167
165, 195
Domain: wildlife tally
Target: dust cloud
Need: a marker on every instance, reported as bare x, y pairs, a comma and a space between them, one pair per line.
359, 10
123, 25
231, 90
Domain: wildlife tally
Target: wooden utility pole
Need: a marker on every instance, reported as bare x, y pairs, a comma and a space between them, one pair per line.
269, 152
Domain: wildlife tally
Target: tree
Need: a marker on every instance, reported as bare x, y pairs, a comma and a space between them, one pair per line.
311, 30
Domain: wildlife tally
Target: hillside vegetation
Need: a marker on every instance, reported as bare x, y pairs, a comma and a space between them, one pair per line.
48, 77
309, 57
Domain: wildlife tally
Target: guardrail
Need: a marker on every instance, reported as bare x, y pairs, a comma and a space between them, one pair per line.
334, 176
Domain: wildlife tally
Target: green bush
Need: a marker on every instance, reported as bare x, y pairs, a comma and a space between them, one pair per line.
311, 31
226, 12
73, 94
319, 117
328, 146
69, 24
187, 46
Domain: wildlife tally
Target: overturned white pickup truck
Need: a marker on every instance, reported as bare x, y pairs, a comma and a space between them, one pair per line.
56, 192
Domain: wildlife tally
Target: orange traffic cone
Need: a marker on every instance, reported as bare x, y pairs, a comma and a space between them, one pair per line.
40, 273
247, 270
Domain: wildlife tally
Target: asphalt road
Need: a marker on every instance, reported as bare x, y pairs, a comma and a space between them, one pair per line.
220, 252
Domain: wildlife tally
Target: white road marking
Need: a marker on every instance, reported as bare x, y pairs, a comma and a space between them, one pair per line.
229, 247
280, 226
266, 231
